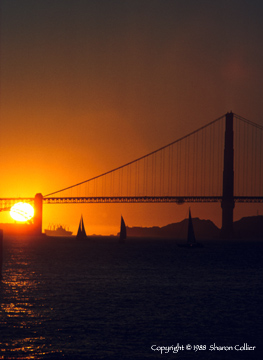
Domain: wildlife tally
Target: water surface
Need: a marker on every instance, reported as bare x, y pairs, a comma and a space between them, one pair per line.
62, 299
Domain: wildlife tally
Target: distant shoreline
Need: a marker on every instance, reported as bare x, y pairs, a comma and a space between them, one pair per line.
247, 227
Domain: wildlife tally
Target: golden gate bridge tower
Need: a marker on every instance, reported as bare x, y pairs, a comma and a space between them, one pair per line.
228, 202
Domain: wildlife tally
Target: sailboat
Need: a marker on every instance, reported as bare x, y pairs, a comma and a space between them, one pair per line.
81, 235
191, 240
123, 233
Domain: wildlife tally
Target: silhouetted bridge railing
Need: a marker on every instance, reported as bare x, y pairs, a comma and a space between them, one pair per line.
6, 203
148, 199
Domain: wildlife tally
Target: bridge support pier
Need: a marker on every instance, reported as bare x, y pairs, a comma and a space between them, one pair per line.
228, 202
38, 205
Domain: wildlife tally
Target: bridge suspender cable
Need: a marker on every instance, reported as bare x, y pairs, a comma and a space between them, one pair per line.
136, 160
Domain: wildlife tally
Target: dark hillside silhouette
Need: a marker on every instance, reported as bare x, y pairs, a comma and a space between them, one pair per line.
247, 227
204, 229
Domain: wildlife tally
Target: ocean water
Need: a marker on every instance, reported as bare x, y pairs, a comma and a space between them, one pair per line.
63, 299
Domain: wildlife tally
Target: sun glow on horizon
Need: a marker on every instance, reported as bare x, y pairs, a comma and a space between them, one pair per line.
22, 212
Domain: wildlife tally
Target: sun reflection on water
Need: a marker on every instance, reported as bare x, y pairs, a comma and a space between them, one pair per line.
23, 309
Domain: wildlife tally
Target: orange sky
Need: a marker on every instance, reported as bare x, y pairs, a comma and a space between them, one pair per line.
88, 86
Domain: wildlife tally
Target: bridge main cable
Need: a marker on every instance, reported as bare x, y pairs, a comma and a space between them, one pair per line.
249, 122
138, 159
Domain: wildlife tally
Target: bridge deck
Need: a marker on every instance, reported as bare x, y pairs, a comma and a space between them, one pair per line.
5, 203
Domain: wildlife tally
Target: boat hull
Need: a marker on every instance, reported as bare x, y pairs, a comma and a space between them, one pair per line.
191, 246
58, 233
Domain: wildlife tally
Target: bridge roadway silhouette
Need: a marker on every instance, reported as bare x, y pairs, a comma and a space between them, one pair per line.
185, 154
129, 199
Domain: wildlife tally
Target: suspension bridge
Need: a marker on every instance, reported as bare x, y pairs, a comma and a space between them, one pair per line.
219, 162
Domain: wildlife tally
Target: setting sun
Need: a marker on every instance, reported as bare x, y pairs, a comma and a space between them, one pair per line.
22, 211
